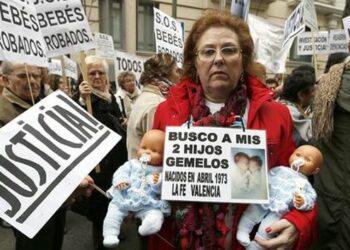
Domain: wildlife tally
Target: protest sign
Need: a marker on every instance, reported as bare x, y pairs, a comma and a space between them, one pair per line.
240, 8
268, 38
20, 36
346, 25
204, 164
128, 62
337, 41
104, 46
70, 67
64, 26
44, 155
55, 67
304, 15
317, 43
168, 34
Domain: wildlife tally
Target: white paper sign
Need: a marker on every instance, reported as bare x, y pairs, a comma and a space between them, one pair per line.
240, 8
337, 41
346, 24
104, 46
21, 39
208, 164
44, 155
320, 42
168, 34
70, 67
310, 15
55, 67
64, 26
129, 62
268, 38
294, 25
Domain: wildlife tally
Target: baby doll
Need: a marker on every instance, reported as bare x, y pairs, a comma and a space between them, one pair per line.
136, 188
289, 188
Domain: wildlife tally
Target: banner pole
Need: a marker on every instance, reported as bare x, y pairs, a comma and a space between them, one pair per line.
29, 85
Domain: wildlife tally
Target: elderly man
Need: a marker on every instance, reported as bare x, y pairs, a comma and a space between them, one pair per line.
16, 98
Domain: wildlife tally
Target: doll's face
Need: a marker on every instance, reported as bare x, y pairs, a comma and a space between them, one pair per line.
310, 159
152, 144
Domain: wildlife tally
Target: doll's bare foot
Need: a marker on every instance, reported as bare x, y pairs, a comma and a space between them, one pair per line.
110, 241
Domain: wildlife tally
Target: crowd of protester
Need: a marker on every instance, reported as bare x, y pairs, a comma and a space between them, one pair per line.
219, 80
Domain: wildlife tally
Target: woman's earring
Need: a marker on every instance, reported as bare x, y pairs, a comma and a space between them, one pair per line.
242, 80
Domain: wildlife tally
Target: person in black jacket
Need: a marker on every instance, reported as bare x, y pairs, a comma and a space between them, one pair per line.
106, 110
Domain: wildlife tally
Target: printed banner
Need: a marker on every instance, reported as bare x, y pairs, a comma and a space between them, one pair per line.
317, 43
240, 8
44, 154
207, 164
21, 39
104, 46
294, 25
55, 67
168, 33
64, 26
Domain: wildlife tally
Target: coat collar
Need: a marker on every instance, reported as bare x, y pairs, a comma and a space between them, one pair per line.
12, 98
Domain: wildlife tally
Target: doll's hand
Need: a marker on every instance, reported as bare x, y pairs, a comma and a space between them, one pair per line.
298, 200
155, 178
122, 185
287, 235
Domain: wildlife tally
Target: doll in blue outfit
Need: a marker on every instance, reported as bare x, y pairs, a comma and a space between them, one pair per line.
136, 188
289, 187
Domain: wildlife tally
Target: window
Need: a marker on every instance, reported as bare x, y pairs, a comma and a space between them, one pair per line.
145, 27
111, 20
293, 56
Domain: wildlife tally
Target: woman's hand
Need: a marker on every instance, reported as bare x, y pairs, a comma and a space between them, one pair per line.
287, 235
84, 89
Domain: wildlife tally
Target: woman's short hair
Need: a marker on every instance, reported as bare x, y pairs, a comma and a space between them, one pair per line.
297, 81
122, 76
213, 18
335, 58
157, 66
96, 60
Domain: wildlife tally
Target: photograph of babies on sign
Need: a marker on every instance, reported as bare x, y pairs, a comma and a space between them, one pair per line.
249, 175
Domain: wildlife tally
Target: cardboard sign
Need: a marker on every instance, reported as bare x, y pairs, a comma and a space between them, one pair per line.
337, 41
310, 15
268, 39
70, 67
168, 34
294, 25
44, 154
128, 62
64, 26
208, 164
20, 36
104, 46
240, 8
55, 67
317, 43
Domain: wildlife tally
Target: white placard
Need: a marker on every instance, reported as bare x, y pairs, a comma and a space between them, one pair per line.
294, 25
240, 8
201, 164
319, 40
169, 35
128, 62
346, 25
104, 46
21, 40
44, 155
55, 67
70, 67
337, 41
268, 38
310, 15
64, 26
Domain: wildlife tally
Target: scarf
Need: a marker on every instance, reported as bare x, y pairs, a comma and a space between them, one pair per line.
163, 84
202, 225
325, 99
105, 95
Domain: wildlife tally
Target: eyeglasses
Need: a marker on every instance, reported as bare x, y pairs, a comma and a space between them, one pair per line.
98, 72
208, 54
23, 76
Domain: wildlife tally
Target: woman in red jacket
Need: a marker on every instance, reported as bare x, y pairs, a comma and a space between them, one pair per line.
219, 83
